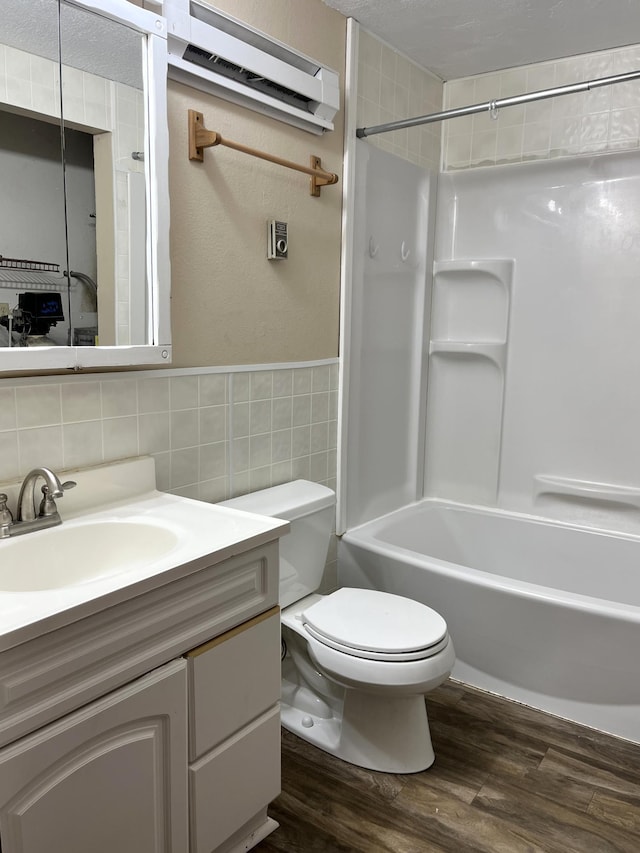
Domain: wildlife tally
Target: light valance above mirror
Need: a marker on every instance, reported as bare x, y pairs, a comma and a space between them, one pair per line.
84, 257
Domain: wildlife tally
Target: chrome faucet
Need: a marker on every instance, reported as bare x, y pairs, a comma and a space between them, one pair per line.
27, 520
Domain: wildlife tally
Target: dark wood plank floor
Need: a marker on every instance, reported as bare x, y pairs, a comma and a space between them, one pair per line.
507, 779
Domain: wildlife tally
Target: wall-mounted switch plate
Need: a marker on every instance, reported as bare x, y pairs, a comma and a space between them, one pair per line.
277, 240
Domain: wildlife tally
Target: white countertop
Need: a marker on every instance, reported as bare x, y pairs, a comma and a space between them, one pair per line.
204, 535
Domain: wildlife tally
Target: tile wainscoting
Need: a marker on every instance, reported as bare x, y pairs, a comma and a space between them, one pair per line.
214, 433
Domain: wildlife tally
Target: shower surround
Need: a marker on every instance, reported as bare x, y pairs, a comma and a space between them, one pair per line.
526, 342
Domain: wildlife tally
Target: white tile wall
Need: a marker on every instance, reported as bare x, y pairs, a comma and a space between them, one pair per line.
392, 87
604, 119
29, 82
213, 434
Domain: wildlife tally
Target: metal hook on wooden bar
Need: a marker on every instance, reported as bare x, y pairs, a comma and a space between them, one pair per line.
201, 138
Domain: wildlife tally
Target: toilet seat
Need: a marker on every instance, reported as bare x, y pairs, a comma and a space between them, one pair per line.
376, 625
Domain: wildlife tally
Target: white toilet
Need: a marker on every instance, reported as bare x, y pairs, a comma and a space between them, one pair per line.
358, 662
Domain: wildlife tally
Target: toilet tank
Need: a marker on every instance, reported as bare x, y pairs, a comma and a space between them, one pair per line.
310, 510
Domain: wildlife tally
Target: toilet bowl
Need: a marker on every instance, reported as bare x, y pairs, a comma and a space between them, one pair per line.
356, 663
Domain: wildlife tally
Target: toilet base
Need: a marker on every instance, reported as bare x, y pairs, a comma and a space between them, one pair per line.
387, 734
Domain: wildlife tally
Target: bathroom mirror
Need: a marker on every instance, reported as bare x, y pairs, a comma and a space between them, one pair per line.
84, 267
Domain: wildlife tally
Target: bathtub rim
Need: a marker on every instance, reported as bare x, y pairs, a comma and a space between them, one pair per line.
365, 536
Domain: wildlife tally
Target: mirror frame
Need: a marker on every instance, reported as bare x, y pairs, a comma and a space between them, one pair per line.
158, 283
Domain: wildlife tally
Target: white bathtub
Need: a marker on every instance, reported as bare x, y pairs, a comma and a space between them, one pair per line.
542, 612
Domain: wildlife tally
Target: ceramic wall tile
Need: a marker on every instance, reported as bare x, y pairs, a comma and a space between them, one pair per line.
38, 405
282, 413
183, 392
8, 413
603, 119
41, 446
392, 87
153, 395
81, 402
212, 434
212, 389
185, 428
120, 437
9, 455
213, 423
154, 432
80, 442
119, 398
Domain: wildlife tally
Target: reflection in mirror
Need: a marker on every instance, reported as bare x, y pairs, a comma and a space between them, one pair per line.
103, 95
80, 265
33, 233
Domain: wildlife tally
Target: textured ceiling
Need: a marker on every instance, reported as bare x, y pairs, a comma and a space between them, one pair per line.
458, 38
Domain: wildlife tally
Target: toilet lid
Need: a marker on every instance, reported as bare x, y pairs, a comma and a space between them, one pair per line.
372, 624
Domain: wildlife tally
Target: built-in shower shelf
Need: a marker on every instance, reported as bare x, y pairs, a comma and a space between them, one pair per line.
501, 269
467, 371
471, 299
550, 485
495, 352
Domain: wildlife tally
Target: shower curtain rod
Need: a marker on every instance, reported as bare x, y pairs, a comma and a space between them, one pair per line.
493, 106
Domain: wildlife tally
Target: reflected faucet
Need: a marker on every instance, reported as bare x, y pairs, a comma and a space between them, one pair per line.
47, 515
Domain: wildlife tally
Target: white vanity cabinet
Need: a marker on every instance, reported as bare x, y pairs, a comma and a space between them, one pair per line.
109, 777
150, 726
234, 734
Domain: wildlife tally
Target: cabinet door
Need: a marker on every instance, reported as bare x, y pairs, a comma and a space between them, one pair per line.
109, 777
232, 680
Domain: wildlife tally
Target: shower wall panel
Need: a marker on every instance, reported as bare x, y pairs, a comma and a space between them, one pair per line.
390, 298
571, 405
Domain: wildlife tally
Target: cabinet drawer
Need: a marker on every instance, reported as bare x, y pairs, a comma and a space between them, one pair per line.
51, 675
232, 680
231, 784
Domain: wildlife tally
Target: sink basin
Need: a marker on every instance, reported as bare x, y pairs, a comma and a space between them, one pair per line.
76, 554
120, 538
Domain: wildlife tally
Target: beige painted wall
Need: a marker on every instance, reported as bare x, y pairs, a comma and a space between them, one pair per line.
230, 305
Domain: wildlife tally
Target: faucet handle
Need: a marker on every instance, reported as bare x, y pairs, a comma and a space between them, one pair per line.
48, 504
5, 512
62, 487
6, 518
